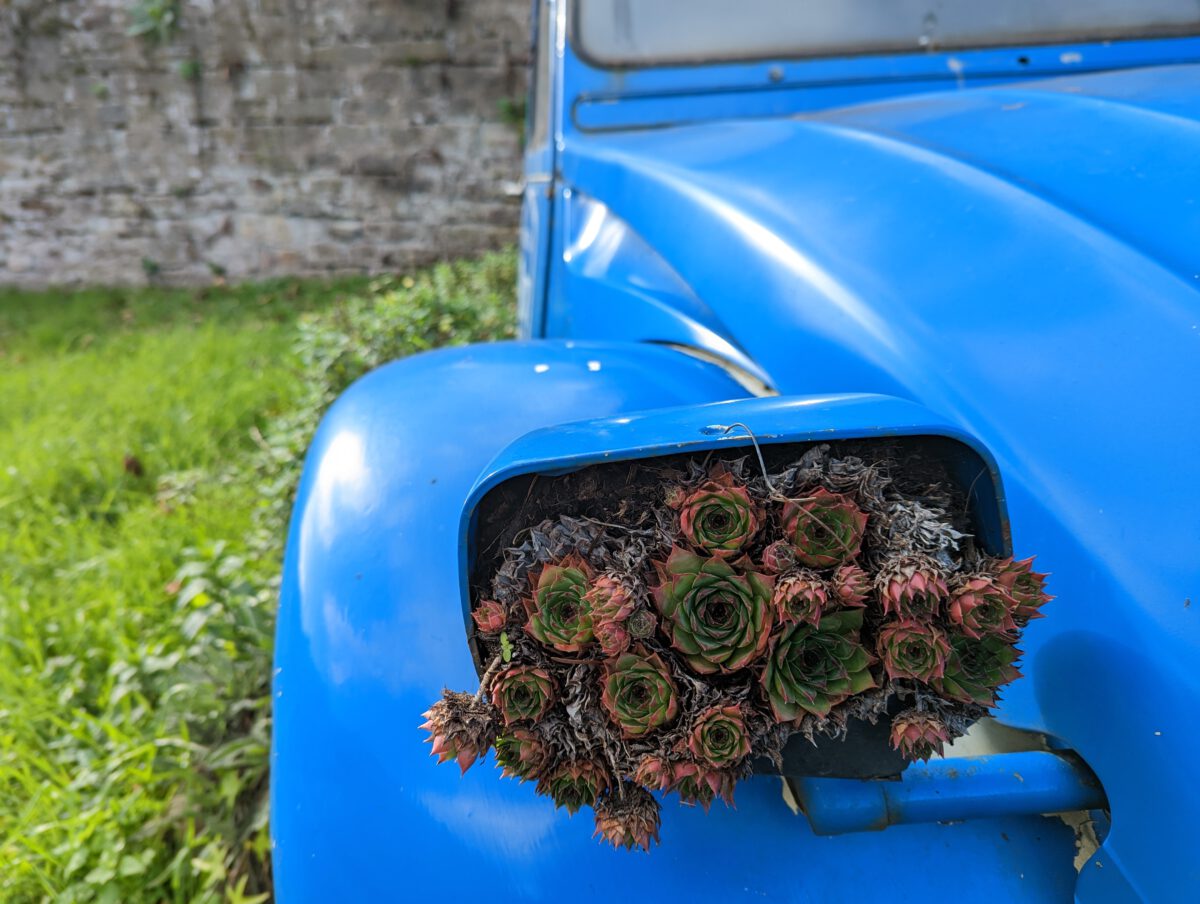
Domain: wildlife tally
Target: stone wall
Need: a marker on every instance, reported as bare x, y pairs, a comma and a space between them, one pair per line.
263, 137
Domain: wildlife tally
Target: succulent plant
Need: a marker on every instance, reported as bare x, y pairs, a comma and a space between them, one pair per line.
639, 693
800, 596
979, 606
918, 735
1026, 587
911, 649
812, 668
641, 624
574, 785
520, 754
522, 693
717, 619
775, 620
851, 587
719, 736
461, 728
911, 587
655, 772
975, 669
778, 557
719, 518
628, 817
610, 599
490, 617
559, 614
824, 528
698, 784
613, 638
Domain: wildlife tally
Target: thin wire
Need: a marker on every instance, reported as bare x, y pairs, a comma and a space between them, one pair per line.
761, 463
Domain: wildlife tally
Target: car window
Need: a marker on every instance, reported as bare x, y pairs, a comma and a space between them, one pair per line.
644, 32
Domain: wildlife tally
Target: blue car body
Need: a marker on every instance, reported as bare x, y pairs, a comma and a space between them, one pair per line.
998, 246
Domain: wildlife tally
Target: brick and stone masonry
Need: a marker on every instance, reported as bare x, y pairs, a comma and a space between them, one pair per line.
262, 137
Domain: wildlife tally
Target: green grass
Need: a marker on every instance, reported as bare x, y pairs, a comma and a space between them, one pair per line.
149, 444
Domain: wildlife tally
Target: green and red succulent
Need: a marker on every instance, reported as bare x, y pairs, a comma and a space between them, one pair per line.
851, 587
613, 638
911, 649
824, 528
522, 693
490, 617
574, 785
719, 620
719, 738
698, 784
639, 692
461, 728
812, 668
911, 587
628, 817
976, 669
559, 613
520, 754
655, 772
800, 596
718, 518
778, 557
979, 605
1026, 587
610, 599
918, 735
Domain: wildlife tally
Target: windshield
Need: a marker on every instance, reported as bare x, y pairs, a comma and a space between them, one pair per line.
642, 32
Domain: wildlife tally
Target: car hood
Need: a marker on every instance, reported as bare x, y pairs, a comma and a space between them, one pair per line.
1023, 260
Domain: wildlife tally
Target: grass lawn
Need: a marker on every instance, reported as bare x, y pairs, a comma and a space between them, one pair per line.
149, 443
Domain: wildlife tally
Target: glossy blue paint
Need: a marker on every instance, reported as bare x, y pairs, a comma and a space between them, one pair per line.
1012, 261
370, 631
1023, 262
1006, 784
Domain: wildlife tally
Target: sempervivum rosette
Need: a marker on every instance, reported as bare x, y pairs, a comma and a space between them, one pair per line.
520, 753
851, 586
718, 619
778, 557
1026, 587
718, 518
918, 735
911, 649
696, 783
611, 600
490, 617
976, 669
911, 587
801, 596
613, 638
574, 785
978, 606
559, 613
522, 693
719, 737
812, 668
639, 693
655, 772
461, 728
628, 817
824, 528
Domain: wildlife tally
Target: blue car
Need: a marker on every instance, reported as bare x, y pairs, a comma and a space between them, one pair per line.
969, 228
